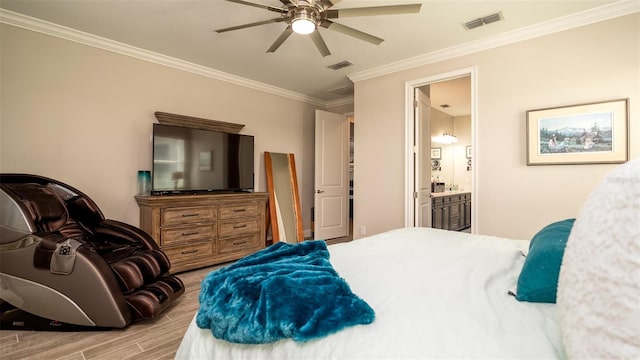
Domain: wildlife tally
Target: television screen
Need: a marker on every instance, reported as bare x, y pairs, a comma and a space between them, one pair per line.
195, 160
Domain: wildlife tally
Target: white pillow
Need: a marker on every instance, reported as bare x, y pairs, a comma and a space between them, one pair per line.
599, 286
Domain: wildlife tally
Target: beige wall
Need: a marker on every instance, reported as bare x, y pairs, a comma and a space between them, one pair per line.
591, 63
84, 116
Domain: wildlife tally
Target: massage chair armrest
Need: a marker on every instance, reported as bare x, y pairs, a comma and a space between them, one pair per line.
46, 248
126, 233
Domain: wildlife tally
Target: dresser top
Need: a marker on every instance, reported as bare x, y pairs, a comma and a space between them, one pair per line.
199, 199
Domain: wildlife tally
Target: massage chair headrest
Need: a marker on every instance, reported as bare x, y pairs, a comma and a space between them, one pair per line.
45, 209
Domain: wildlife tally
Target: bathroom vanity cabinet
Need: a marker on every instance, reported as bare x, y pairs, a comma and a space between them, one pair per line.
451, 211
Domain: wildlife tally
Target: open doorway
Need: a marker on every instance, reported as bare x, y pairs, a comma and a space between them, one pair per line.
452, 165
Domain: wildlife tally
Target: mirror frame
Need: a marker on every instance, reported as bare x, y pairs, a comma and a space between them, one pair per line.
277, 179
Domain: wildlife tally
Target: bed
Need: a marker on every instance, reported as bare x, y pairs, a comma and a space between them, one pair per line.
443, 294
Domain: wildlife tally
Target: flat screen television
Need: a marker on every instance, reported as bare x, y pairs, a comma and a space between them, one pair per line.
188, 160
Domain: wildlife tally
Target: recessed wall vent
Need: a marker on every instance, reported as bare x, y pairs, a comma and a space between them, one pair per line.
340, 65
483, 21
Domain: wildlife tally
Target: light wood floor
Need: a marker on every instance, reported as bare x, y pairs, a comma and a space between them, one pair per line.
158, 339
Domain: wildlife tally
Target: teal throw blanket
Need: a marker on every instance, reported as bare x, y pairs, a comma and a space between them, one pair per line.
283, 291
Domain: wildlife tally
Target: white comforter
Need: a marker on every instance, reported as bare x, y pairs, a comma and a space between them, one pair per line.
436, 294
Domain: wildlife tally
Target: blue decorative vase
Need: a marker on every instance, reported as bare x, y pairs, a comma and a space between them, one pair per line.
144, 182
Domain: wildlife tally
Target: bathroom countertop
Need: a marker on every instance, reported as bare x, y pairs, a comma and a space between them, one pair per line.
447, 193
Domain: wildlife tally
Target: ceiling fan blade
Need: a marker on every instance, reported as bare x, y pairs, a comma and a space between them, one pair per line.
328, 3
285, 34
266, 7
319, 43
264, 22
374, 10
352, 32
287, 2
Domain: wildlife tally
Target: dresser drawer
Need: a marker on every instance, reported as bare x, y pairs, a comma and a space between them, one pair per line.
238, 227
239, 244
190, 251
239, 210
181, 215
179, 235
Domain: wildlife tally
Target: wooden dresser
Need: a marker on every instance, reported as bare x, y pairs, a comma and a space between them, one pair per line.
201, 230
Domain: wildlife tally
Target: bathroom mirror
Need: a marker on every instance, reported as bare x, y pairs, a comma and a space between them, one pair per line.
449, 162
284, 199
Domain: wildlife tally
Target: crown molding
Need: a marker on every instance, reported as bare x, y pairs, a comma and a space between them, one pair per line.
616, 9
605, 12
339, 102
48, 28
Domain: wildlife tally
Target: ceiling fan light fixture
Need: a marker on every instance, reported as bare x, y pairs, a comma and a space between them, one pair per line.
305, 16
303, 23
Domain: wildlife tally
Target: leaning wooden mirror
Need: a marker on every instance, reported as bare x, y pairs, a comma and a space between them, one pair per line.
284, 199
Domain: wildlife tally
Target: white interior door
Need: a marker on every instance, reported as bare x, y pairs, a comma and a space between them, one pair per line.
331, 198
422, 158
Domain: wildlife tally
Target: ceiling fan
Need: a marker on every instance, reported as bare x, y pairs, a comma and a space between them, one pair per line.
304, 17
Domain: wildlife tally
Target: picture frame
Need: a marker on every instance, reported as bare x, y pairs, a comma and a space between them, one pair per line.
591, 133
435, 165
436, 153
468, 151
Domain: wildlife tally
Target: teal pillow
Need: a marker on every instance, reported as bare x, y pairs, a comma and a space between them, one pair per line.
538, 280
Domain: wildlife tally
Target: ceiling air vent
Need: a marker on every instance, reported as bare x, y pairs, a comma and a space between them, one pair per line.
483, 21
340, 65
343, 91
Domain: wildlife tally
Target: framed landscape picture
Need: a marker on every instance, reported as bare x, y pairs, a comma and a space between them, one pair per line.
579, 134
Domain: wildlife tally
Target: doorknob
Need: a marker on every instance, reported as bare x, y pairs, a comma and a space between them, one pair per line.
319, 191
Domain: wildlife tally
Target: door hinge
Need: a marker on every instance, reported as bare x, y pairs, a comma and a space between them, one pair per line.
415, 195
415, 103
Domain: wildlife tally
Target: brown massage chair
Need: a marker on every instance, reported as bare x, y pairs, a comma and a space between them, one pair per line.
63, 266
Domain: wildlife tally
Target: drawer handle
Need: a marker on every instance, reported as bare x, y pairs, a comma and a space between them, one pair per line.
190, 215
189, 252
239, 210
239, 242
190, 233
239, 226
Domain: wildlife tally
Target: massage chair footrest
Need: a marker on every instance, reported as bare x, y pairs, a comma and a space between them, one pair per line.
153, 299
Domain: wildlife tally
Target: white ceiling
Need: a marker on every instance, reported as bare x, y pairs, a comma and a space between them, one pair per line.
183, 30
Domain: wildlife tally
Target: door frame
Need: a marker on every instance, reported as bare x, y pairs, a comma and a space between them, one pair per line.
409, 219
